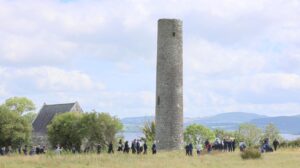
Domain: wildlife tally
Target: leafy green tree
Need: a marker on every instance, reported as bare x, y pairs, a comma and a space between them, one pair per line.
20, 105
66, 129
250, 134
222, 134
196, 133
271, 132
29, 117
100, 128
14, 129
149, 131
72, 129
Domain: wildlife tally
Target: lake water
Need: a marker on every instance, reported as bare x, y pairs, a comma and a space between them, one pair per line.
290, 137
130, 136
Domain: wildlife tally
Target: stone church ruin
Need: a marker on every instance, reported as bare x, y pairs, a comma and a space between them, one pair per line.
44, 118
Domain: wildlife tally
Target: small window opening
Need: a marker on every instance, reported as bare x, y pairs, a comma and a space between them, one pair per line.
158, 100
174, 34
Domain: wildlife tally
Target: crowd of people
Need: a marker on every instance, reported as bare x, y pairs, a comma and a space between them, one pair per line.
227, 145
266, 147
136, 147
32, 150
224, 145
139, 146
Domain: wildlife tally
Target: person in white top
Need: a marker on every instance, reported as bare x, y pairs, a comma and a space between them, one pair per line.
199, 148
58, 150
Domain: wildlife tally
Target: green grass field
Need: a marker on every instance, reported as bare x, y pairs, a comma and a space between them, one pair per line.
288, 158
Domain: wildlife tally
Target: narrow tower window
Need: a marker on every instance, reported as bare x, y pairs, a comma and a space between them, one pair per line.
174, 34
158, 100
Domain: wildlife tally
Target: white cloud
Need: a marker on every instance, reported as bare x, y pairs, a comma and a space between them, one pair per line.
54, 79
205, 58
237, 54
284, 81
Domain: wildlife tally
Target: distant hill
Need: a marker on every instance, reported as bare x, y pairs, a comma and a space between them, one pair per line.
134, 124
286, 124
137, 120
232, 117
227, 121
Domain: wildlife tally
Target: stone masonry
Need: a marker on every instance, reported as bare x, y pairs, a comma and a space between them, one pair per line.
169, 85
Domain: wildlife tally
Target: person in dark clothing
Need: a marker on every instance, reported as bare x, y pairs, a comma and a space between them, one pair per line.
275, 144
190, 149
138, 147
225, 145
154, 148
7, 150
87, 149
110, 148
1, 151
209, 148
19, 149
120, 146
126, 147
186, 149
145, 147
233, 145
230, 148
266, 147
25, 150
37, 150
206, 143
133, 147
42, 150
98, 149
73, 149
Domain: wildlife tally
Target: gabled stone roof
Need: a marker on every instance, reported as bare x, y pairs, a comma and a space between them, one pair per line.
48, 112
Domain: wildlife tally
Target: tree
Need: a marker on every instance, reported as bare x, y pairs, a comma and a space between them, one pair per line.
271, 132
249, 133
196, 133
29, 117
222, 134
14, 129
149, 131
73, 128
66, 130
100, 128
19, 105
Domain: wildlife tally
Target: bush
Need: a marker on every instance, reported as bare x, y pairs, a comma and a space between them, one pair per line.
290, 144
295, 143
251, 153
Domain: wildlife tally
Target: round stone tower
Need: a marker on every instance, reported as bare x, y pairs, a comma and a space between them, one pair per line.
169, 97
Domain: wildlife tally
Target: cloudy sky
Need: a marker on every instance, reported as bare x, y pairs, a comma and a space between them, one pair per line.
239, 55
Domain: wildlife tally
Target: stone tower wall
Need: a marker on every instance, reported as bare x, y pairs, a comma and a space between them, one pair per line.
169, 82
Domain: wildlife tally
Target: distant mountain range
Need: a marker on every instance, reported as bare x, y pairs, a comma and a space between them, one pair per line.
227, 121
286, 124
